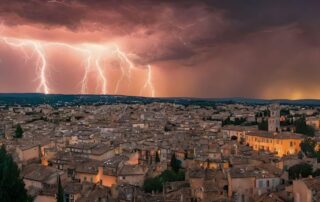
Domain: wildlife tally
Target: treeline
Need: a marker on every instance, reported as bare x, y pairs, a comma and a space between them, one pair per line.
12, 187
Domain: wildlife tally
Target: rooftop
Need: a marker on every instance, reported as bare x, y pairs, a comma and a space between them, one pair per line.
282, 135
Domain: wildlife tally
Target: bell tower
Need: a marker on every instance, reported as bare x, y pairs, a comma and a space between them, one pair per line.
274, 119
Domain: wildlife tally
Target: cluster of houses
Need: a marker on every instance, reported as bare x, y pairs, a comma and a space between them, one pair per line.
105, 153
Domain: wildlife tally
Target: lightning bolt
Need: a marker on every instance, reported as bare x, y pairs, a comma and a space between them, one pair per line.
87, 62
92, 62
148, 83
84, 81
42, 66
183, 28
101, 74
125, 64
42, 63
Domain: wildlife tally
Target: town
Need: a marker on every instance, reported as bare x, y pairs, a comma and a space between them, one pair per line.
164, 152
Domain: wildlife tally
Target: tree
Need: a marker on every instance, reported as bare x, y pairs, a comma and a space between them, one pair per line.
316, 173
308, 147
169, 126
284, 112
259, 114
169, 176
157, 157
263, 125
287, 122
60, 194
227, 121
19, 132
236, 121
300, 170
156, 184
266, 113
3, 153
175, 163
303, 128
239, 121
11, 185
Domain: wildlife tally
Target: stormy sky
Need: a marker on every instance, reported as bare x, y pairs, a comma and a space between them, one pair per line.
194, 48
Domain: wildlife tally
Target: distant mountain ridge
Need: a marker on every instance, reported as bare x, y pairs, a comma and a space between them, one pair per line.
31, 99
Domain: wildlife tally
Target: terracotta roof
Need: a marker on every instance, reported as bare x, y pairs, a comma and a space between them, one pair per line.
282, 135
132, 170
312, 183
39, 173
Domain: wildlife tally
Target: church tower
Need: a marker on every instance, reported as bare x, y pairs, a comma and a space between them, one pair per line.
274, 119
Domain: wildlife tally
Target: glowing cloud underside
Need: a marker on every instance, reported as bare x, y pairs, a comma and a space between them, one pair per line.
93, 55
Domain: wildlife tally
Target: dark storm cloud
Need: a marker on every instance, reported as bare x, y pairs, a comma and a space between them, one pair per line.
245, 16
189, 24
180, 25
36, 11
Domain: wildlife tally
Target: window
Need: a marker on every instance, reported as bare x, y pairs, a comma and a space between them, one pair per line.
291, 144
69, 198
70, 172
268, 183
84, 178
260, 183
66, 196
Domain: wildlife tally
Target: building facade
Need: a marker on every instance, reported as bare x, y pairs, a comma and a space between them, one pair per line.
279, 143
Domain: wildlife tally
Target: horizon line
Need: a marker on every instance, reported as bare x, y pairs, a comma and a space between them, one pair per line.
169, 97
